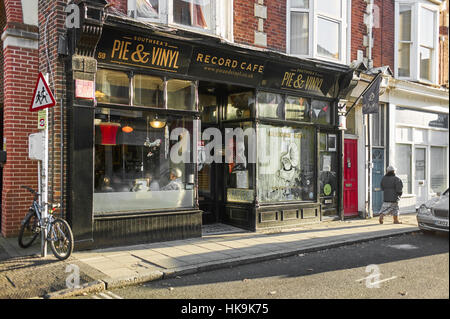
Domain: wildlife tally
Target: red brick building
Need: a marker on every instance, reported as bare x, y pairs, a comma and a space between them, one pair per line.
35, 38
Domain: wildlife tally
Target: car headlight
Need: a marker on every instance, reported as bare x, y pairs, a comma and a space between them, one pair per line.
423, 210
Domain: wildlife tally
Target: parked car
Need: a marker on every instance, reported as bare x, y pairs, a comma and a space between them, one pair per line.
433, 215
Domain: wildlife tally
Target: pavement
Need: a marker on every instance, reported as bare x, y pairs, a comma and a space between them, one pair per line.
25, 274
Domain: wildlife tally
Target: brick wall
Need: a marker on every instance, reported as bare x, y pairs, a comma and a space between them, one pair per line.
19, 72
275, 25
245, 22
52, 13
383, 32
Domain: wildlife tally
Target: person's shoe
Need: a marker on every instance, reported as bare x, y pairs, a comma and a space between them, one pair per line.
381, 219
396, 221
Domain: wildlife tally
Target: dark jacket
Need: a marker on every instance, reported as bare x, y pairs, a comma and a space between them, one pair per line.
392, 187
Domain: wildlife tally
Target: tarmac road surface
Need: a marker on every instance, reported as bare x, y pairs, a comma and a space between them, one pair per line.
409, 266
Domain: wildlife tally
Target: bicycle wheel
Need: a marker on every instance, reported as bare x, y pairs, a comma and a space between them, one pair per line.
61, 239
29, 230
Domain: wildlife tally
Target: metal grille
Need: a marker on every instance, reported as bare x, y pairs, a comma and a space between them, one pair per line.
441, 213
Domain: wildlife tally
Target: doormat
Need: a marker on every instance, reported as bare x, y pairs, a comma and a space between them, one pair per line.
218, 228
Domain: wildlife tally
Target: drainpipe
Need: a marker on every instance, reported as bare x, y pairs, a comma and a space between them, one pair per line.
369, 24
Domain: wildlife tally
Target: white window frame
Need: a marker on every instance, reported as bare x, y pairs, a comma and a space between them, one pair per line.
162, 4
416, 7
222, 18
314, 15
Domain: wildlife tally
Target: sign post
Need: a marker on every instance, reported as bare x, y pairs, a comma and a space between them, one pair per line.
42, 100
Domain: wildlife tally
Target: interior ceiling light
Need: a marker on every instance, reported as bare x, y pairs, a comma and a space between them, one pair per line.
127, 129
157, 123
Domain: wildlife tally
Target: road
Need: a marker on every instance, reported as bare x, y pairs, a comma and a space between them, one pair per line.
408, 266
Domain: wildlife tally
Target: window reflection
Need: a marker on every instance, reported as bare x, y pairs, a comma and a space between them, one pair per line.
240, 105
195, 13
148, 90
112, 87
147, 8
180, 95
297, 108
270, 105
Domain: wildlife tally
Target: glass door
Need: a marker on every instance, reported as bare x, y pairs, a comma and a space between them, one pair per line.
420, 182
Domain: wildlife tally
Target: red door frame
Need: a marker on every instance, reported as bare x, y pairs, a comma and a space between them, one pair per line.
350, 177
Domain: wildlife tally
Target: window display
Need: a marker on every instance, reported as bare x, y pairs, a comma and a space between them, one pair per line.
148, 91
285, 164
297, 109
239, 181
112, 87
181, 95
133, 166
321, 112
270, 105
240, 105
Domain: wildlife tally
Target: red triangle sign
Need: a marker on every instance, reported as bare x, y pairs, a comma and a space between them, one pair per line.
42, 96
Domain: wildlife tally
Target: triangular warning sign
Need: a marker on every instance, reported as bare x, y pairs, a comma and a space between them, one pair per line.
42, 96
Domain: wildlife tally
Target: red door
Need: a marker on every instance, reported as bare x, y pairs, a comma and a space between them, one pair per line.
350, 177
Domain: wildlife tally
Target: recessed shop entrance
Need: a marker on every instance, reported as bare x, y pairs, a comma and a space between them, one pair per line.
213, 99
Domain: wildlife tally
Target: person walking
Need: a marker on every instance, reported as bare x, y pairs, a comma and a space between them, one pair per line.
392, 187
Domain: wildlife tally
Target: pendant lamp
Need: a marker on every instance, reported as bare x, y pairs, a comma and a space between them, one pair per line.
109, 132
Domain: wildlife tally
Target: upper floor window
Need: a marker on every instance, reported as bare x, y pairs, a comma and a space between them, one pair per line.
317, 28
416, 41
210, 16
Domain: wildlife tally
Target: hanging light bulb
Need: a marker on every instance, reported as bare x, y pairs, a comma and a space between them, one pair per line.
157, 123
127, 129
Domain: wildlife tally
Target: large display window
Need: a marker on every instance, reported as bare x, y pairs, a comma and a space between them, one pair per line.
239, 154
286, 164
142, 161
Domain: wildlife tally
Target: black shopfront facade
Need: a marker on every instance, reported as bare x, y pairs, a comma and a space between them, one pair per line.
142, 167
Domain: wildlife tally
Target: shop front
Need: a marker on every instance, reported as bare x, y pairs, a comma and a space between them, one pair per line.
185, 130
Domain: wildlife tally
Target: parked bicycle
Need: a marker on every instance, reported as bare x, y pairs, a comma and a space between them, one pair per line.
59, 233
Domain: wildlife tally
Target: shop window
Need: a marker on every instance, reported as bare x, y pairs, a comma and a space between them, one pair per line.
285, 164
439, 172
239, 154
207, 103
297, 109
403, 155
148, 91
270, 105
240, 106
321, 112
135, 168
112, 87
181, 95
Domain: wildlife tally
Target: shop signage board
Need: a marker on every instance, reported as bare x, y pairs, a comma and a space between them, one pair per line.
157, 53
143, 51
299, 80
42, 96
221, 65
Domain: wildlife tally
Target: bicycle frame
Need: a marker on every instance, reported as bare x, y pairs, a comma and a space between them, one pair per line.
43, 224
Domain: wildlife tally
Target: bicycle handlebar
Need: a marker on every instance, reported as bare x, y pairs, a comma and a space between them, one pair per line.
32, 191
